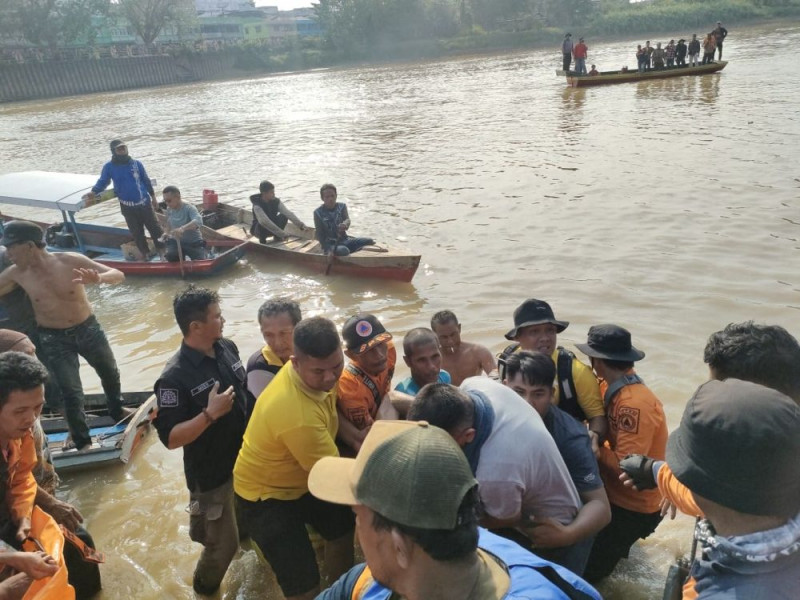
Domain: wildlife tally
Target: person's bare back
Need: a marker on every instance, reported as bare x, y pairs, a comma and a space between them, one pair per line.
467, 360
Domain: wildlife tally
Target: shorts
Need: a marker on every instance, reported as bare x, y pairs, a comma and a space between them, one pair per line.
278, 528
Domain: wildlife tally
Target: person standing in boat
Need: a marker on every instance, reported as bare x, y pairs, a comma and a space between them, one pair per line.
709, 47
694, 50
680, 53
566, 51
658, 56
641, 58
137, 199
669, 52
270, 215
203, 408
277, 319
183, 222
581, 53
66, 327
720, 33
332, 221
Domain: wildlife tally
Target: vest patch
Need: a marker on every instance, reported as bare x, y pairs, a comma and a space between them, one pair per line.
167, 398
204, 386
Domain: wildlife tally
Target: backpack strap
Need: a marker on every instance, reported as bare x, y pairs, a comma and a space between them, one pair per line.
502, 357
620, 383
366, 380
567, 392
562, 584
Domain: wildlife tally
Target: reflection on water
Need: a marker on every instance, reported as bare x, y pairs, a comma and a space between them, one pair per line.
661, 206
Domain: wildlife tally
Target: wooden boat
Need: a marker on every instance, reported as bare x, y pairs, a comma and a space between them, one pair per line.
303, 249
110, 246
607, 77
112, 441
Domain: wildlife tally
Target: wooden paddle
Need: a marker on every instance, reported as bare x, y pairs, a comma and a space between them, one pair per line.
180, 255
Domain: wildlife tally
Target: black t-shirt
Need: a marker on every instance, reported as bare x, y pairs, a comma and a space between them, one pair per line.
182, 393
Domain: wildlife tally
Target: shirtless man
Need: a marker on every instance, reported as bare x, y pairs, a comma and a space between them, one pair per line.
67, 328
460, 359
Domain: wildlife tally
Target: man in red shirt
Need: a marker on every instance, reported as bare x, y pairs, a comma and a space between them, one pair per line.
580, 52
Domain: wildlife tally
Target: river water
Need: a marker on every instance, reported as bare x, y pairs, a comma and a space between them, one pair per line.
669, 207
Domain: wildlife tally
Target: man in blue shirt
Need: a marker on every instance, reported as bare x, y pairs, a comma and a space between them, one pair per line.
423, 355
183, 223
137, 199
531, 375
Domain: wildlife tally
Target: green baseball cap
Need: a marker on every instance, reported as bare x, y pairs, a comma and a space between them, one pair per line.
411, 473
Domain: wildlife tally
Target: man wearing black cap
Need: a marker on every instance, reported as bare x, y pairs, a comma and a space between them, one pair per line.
680, 53
366, 380
536, 329
137, 199
637, 425
737, 449
66, 326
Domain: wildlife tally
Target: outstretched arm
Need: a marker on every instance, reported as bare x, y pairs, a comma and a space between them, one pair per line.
89, 272
267, 223
291, 216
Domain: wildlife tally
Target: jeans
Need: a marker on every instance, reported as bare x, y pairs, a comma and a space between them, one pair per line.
137, 218
61, 348
580, 66
193, 250
352, 244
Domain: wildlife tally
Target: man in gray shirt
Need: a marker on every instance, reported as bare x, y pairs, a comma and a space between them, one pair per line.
183, 223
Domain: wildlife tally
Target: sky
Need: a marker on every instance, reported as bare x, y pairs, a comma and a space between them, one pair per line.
284, 4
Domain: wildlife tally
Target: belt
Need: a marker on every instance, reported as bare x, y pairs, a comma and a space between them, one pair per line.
139, 203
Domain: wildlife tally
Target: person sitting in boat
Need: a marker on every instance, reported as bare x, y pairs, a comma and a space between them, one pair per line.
461, 359
694, 50
277, 319
366, 381
183, 224
680, 53
423, 356
270, 215
66, 327
594, 72
332, 221
137, 199
659, 54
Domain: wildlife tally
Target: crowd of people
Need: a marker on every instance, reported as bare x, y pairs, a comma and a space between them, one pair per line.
527, 475
648, 57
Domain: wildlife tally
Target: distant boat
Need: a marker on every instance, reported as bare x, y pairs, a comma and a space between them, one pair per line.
608, 77
110, 246
112, 441
301, 248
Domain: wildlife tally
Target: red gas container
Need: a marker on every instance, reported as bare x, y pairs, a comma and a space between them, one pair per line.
210, 200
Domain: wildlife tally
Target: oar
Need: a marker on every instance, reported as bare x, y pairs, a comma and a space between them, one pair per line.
180, 255
331, 258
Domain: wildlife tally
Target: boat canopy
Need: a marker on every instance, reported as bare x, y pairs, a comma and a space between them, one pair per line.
43, 189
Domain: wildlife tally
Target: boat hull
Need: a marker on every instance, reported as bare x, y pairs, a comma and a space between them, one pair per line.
630, 76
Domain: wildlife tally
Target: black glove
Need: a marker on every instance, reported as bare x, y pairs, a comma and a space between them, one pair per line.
640, 469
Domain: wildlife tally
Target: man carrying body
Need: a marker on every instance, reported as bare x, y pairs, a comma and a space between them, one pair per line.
277, 319
183, 224
577, 394
460, 359
422, 354
366, 381
566, 51
332, 221
203, 408
637, 425
523, 479
293, 426
436, 552
720, 33
531, 375
137, 199
270, 215
66, 326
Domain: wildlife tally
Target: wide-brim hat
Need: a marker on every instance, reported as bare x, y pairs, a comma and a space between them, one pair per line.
362, 332
610, 342
411, 473
534, 312
18, 231
738, 446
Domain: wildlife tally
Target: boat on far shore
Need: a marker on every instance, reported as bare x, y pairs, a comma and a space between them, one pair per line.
623, 76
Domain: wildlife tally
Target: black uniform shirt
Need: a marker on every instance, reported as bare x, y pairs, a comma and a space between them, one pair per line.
182, 392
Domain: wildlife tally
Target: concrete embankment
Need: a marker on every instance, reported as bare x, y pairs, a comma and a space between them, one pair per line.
30, 81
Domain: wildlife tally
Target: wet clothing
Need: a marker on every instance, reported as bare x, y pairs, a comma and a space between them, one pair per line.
359, 395
529, 576
60, 349
411, 387
262, 366
326, 223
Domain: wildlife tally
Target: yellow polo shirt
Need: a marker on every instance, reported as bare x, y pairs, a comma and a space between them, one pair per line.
292, 427
589, 398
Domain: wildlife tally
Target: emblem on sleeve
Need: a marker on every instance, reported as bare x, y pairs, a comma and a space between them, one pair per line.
628, 419
167, 398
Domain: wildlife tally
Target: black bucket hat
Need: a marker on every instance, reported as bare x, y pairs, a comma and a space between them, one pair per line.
534, 312
611, 342
737, 445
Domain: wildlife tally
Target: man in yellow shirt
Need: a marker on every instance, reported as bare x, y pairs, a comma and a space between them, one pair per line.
294, 425
536, 329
